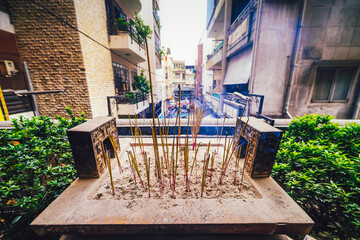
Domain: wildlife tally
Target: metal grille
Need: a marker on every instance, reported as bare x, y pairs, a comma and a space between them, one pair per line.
121, 78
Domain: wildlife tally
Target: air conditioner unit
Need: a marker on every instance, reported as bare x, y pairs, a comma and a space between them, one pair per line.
7, 68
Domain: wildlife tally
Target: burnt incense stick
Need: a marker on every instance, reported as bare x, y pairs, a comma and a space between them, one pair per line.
131, 166
213, 154
147, 168
205, 167
109, 168
135, 164
115, 151
237, 162
156, 150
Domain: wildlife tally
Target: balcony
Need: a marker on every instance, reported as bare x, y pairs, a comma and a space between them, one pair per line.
216, 22
129, 45
131, 107
131, 6
240, 30
215, 59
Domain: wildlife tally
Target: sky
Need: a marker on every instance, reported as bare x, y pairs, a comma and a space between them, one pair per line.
182, 24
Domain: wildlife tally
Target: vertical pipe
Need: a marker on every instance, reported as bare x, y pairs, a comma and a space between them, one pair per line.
29, 82
227, 19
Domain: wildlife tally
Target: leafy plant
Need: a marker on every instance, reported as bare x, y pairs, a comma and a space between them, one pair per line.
318, 164
121, 24
163, 52
130, 96
143, 30
136, 23
141, 83
36, 165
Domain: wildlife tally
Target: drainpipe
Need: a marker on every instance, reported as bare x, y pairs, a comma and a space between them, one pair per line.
227, 19
254, 51
356, 114
293, 59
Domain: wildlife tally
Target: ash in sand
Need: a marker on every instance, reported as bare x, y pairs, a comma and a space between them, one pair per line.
127, 189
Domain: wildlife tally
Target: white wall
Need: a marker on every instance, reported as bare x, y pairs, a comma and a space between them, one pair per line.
5, 24
146, 14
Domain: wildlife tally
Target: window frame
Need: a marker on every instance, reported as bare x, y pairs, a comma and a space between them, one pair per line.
337, 69
117, 67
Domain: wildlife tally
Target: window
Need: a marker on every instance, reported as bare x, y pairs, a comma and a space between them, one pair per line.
121, 78
113, 12
333, 84
133, 73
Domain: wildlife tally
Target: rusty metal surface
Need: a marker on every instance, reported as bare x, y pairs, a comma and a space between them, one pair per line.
74, 212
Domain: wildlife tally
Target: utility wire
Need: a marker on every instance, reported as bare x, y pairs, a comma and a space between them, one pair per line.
86, 35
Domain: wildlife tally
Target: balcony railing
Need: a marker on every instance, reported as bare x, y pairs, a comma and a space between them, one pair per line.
139, 97
216, 50
134, 35
251, 5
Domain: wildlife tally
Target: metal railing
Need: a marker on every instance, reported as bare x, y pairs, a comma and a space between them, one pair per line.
216, 50
121, 99
134, 35
251, 5
250, 97
138, 97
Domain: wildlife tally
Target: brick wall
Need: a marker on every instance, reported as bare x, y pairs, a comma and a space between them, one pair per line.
53, 53
91, 19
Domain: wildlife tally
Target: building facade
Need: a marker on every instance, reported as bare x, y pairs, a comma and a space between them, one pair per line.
74, 45
303, 56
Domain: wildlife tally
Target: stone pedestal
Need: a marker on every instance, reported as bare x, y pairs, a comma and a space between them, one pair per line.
262, 145
88, 141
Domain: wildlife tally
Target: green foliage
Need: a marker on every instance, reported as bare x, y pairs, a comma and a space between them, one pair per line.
36, 165
121, 24
130, 96
143, 30
141, 83
163, 52
137, 23
318, 164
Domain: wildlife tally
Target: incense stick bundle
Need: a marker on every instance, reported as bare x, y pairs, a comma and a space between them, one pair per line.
136, 167
147, 168
115, 151
204, 174
110, 172
131, 166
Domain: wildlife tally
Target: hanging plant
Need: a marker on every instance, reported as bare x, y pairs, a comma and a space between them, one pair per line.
143, 30
130, 96
141, 83
121, 24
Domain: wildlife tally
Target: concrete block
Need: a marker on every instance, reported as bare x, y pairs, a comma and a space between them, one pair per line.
328, 53
353, 2
319, 16
346, 36
322, 2
331, 36
356, 37
311, 52
346, 16
339, 2
354, 53
316, 36
341, 53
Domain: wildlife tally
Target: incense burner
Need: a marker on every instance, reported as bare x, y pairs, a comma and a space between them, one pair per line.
78, 211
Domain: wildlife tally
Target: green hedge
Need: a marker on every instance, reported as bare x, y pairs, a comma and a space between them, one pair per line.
36, 165
318, 164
